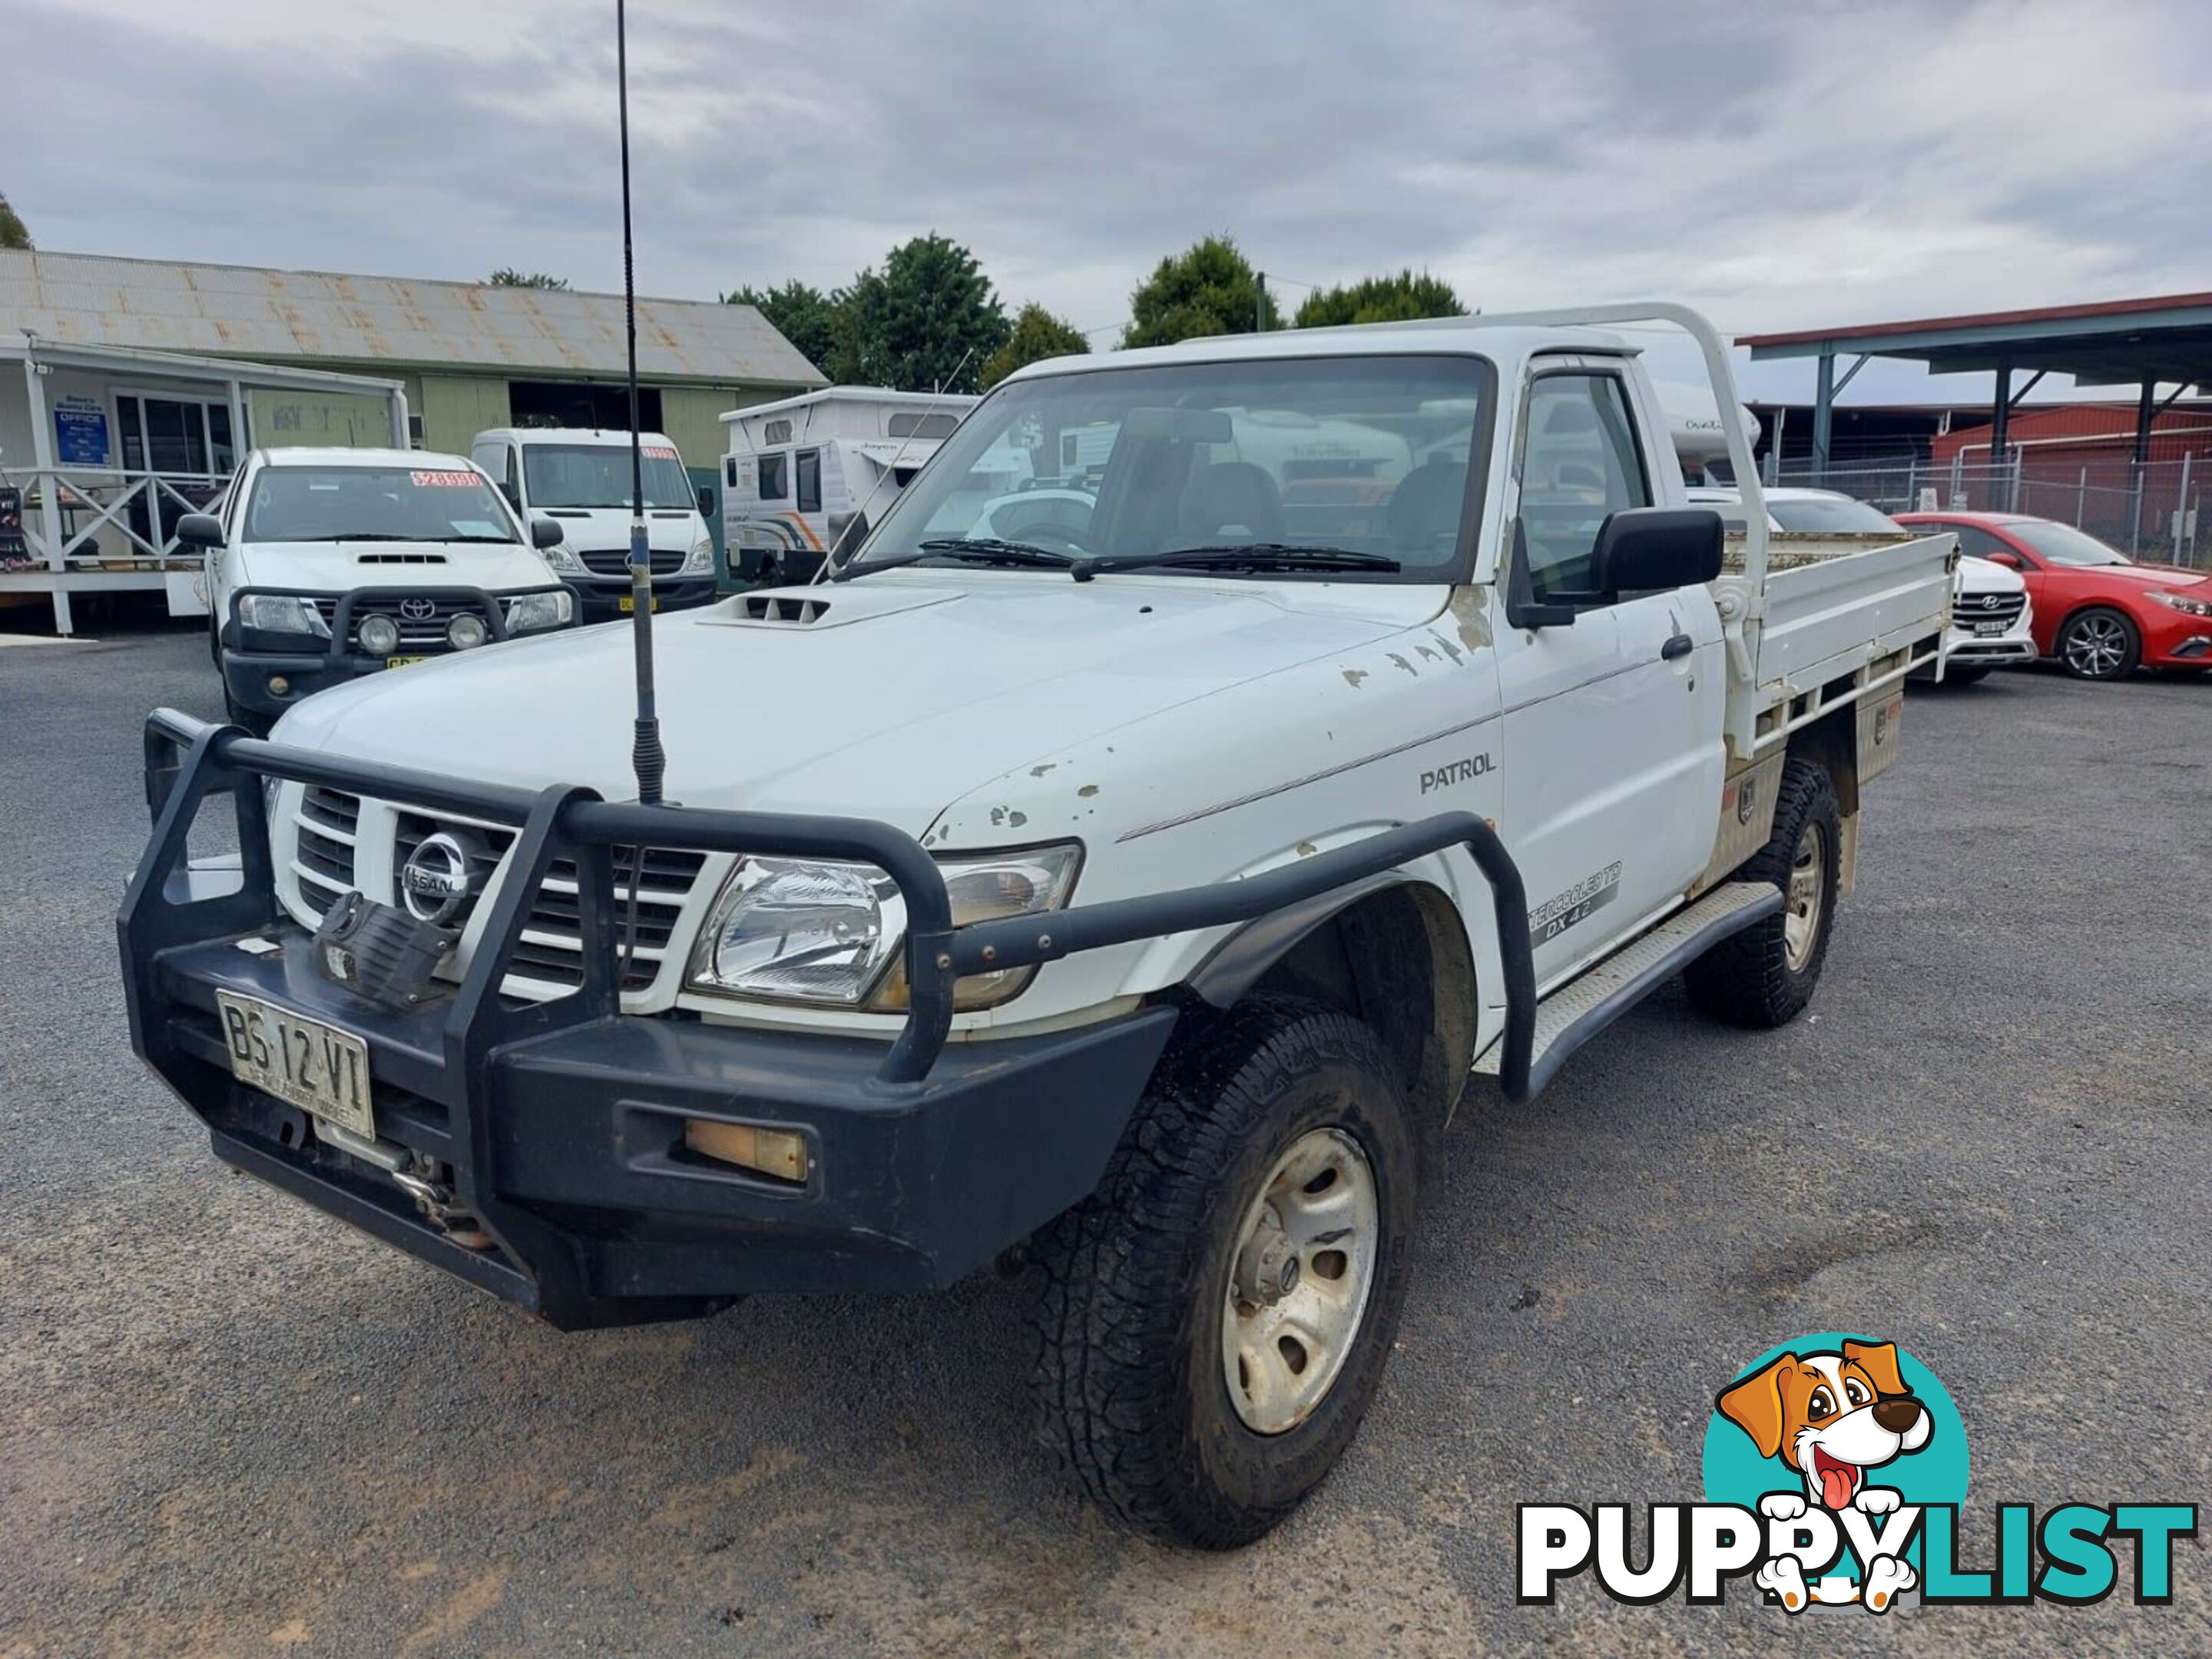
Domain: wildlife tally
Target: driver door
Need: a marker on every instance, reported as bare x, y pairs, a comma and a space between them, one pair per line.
1613, 756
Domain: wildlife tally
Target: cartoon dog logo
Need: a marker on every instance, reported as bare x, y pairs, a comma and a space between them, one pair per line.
1830, 1418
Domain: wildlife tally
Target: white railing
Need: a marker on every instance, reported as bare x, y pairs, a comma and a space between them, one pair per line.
66, 508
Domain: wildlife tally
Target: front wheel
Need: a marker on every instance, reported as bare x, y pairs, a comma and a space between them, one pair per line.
2100, 645
1214, 1320
1764, 976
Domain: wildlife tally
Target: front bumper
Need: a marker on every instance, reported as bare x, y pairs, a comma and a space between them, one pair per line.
252, 659
580, 1166
1969, 650
601, 599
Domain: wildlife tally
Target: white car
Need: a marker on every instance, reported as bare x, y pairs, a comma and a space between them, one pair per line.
1991, 616
323, 565
1141, 895
578, 478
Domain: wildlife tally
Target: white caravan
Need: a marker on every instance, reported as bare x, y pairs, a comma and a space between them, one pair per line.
579, 479
800, 473
323, 565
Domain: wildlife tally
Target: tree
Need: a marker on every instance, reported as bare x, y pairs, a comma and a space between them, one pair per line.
508, 276
12, 233
805, 316
1037, 334
1380, 300
1208, 289
925, 322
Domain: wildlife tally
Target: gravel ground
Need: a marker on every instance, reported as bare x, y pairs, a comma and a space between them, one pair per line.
229, 1425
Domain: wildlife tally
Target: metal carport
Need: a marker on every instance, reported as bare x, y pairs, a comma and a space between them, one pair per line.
2145, 343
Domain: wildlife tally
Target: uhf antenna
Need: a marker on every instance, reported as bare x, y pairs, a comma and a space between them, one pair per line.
646, 757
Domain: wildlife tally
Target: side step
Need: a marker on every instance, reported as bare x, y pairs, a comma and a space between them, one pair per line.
1585, 1006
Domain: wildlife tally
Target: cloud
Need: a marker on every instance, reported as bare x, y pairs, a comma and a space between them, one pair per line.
1780, 165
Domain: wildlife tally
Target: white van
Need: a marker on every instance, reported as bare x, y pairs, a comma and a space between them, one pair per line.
800, 473
579, 479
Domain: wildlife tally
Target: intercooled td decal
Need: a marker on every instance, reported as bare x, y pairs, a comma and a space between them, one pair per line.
1555, 916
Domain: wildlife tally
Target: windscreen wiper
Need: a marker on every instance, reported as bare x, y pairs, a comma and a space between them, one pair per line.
1246, 555
976, 550
360, 536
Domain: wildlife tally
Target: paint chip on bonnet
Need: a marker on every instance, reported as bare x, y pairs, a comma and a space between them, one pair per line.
1354, 676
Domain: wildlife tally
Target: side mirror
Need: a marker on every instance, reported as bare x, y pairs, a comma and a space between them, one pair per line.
544, 533
200, 530
705, 502
2009, 561
1640, 550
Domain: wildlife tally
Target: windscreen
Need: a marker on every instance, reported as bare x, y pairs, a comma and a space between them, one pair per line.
1368, 455
2062, 544
376, 504
598, 474
1834, 515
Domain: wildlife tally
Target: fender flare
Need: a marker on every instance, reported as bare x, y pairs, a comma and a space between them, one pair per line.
1242, 960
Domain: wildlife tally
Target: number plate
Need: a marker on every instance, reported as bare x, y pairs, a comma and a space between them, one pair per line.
317, 1067
1981, 627
627, 604
402, 662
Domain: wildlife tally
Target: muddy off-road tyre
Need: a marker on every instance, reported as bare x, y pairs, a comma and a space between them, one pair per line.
1763, 976
1212, 1321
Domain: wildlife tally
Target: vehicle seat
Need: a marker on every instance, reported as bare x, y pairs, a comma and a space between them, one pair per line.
1425, 510
1231, 500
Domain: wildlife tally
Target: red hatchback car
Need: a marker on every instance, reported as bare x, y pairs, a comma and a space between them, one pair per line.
2098, 612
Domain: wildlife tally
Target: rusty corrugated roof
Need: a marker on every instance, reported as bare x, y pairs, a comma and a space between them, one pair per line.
278, 316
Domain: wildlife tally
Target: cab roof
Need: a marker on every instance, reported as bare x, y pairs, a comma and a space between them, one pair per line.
1503, 342
425, 460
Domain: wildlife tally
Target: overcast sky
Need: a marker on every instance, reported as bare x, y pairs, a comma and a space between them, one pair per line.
1780, 165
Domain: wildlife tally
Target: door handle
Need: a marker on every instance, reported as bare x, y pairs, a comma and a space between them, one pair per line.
1680, 645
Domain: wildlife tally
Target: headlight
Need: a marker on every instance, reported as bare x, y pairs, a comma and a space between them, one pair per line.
528, 612
700, 559
819, 931
2188, 604
562, 559
379, 635
282, 613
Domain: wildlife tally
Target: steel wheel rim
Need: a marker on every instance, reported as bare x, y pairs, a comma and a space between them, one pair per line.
2095, 645
1807, 897
1300, 1281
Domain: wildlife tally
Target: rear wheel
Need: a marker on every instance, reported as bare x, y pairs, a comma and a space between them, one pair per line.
2100, 645
1214, 1320
1764, 976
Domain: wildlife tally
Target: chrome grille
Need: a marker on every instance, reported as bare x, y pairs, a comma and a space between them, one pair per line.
615, 560
1970, 608
551, 951
552, 947
328, 823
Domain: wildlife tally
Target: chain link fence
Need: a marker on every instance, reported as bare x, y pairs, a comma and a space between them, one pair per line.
2151, 512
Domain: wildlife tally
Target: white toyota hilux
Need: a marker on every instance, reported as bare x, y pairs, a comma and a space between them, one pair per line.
1134, 898
323, 565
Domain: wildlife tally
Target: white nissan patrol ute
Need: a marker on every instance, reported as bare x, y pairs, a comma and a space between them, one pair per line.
323, 565
1134, 899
